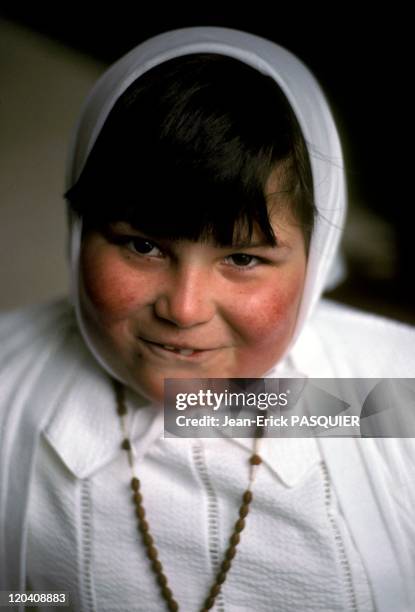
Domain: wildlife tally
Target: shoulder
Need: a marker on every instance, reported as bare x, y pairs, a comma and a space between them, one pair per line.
31, 338
26, 330
356, 322
357, 344
31, 316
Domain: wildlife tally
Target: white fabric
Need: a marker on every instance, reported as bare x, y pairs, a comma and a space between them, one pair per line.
59, 453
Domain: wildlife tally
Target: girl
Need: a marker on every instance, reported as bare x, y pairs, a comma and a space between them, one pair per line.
206, 200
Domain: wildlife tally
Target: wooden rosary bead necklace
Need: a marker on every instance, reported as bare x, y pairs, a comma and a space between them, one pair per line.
144, 529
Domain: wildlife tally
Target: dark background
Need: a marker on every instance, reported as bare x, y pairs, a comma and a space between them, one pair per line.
362, 60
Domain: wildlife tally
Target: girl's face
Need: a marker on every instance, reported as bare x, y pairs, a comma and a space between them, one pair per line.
158, 309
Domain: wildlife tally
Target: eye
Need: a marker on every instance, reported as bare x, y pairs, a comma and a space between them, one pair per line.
142, 246
243, 260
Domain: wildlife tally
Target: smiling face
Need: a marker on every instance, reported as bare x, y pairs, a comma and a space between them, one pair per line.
157, 309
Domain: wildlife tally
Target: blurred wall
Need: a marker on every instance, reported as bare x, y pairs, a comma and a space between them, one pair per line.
42, 86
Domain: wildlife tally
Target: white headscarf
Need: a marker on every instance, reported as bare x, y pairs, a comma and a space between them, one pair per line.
306, 99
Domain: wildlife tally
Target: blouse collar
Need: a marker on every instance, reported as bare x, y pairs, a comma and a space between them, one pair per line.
85, 431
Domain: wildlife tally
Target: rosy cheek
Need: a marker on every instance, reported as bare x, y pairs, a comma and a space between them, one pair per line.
271, 313
112, 290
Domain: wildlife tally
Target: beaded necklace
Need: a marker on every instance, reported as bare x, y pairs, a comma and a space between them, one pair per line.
144, 528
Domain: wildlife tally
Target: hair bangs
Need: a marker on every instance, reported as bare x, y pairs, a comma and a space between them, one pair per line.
186, 152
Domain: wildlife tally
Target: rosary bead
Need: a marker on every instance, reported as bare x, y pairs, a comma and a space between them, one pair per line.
243, 511
215, 590
235, 539
121, 410
225, 565
247, 497
162, 580
239, 525
221, 577
231, 552
119, 394
143, 526
126, 444
255, 459
140, 512
135, 484
156, 565
173, 606
209, 603
167, 594
147, 539
138, 498
152, 553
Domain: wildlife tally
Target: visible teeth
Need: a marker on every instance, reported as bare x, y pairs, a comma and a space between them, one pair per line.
185, 352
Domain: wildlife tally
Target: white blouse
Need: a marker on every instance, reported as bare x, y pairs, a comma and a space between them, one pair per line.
295, 552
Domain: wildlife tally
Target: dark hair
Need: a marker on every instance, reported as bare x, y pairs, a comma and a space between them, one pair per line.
186, 152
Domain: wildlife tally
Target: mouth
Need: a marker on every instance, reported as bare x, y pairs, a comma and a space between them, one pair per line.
183, 351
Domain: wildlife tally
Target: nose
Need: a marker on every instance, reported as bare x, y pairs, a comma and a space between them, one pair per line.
186, 297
